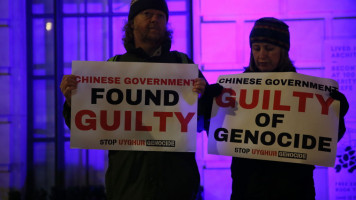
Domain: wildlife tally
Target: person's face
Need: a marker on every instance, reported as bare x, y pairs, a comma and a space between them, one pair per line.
266, 56
149, 26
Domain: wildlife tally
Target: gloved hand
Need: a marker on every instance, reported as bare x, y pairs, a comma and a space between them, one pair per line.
344, 104
214, 90
344, 107
206, 102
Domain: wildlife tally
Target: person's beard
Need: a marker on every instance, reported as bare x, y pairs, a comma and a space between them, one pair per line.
152, 34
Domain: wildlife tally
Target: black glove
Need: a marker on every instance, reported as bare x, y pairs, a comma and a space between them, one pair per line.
344, 107
344, 104
213, 90
206, 102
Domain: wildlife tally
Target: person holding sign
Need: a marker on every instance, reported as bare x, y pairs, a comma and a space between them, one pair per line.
138, 175
272, 180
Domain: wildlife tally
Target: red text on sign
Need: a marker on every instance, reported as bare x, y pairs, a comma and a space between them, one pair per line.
229, 97
88, 120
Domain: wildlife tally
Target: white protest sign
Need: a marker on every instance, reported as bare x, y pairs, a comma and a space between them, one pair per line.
287, 117
134, 106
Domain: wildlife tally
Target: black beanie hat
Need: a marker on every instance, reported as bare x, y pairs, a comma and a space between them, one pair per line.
139, 5
270, 30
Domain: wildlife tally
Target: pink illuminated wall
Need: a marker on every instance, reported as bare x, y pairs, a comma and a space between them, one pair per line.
323, 44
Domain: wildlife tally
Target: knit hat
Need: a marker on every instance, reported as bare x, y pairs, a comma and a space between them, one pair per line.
139, 5
270, 30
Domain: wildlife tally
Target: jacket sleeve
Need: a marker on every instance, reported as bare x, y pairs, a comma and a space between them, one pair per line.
342, 128
344, 107
66, 114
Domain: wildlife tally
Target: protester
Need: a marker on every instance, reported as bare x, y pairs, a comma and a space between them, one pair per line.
271, 180
144, 175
